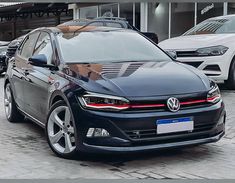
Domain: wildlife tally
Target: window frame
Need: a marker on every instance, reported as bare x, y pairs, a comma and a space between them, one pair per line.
53, 60
20, 49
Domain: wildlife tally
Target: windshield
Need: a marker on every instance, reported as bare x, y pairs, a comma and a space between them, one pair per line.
214, 26
108, 46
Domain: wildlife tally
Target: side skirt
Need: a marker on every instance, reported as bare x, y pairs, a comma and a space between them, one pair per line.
33, 119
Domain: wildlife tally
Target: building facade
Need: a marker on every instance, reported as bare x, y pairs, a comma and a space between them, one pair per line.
167, 19
17, 19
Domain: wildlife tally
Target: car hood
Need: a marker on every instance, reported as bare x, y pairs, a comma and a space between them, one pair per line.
193, 42
139, 79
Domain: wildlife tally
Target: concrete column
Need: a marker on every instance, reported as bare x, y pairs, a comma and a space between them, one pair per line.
225, 8
144, 16
75, 9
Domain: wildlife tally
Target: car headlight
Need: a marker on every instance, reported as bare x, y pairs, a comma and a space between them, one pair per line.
103, 102
214, 95
212, 51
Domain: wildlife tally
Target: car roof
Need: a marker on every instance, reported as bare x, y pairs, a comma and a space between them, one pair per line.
4, 43
73, 29
83, 21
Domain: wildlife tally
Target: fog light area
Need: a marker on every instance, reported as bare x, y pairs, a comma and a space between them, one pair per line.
221, 120
97, 132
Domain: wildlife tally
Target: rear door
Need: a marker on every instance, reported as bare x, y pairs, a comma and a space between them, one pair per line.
38, 80
18, 68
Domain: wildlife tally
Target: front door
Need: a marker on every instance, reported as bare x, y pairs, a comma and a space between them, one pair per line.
19, 63
38, 80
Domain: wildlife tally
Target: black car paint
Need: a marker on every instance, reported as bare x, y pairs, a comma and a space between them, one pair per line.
35, 89
3, 66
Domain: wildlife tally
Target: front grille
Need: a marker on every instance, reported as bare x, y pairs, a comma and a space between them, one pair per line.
152, 133
194, 64
161, 105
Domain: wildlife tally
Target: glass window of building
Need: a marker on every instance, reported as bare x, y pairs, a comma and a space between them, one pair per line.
208, 10
137, 15
108, 10
158, 19
88, 12
231, 8
126, 11
182, 18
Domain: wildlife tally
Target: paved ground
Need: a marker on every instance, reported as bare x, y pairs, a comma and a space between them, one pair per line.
24, 153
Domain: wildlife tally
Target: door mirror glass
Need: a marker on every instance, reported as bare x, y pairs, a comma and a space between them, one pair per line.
172, 54
38, 60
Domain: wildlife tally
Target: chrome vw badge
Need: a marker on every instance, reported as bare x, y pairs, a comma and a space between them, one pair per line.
173, 104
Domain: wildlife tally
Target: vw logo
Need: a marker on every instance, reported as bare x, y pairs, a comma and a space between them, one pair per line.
173, 104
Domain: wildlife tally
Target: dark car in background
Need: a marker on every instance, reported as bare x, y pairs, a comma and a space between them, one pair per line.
12, 47
110, 22
3, 50
103, 89
7, 51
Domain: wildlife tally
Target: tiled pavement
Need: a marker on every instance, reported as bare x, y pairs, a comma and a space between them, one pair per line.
24, 153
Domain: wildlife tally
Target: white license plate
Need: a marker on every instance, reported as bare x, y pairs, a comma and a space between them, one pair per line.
175, 125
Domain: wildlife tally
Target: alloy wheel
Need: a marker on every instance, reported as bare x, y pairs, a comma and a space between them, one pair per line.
60, 130
8, 101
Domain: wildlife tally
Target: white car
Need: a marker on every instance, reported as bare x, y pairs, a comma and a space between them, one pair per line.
210, 47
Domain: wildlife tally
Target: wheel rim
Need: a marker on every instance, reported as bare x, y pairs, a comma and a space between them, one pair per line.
61, 131
8, 101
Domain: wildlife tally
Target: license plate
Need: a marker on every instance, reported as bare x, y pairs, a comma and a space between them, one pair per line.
175, 125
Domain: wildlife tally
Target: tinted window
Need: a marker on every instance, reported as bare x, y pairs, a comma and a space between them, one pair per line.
43, 46
110, 46
28, 45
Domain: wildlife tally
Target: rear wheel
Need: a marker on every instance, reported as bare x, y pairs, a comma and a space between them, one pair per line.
12, 113
60, 130
230, 83
2, 69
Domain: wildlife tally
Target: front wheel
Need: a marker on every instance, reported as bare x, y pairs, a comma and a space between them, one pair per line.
230, 83
60, 130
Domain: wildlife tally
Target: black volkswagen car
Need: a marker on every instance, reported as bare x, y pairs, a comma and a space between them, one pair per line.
102, 90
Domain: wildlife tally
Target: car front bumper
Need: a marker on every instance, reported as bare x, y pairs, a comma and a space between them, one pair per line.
215, 67
209, 126
103, 149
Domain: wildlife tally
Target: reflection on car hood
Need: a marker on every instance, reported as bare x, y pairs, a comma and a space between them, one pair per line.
139, 79
193, 42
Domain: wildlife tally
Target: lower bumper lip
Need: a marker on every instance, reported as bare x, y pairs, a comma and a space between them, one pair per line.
154, 147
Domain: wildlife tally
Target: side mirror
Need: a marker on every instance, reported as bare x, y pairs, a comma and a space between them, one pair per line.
172, 54
38, 60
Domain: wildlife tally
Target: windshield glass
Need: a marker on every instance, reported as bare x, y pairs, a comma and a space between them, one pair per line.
108, 46
214, 26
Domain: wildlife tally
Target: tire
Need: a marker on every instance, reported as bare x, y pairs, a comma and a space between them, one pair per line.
2, 70
61, 131
12, 113
230, 83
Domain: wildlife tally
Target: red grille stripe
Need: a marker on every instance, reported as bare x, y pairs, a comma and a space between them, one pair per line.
193, 102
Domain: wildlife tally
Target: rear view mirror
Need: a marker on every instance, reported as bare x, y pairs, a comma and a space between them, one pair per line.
38, 60
172, 54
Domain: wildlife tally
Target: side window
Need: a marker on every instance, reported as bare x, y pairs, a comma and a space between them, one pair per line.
43, 46
26, 49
